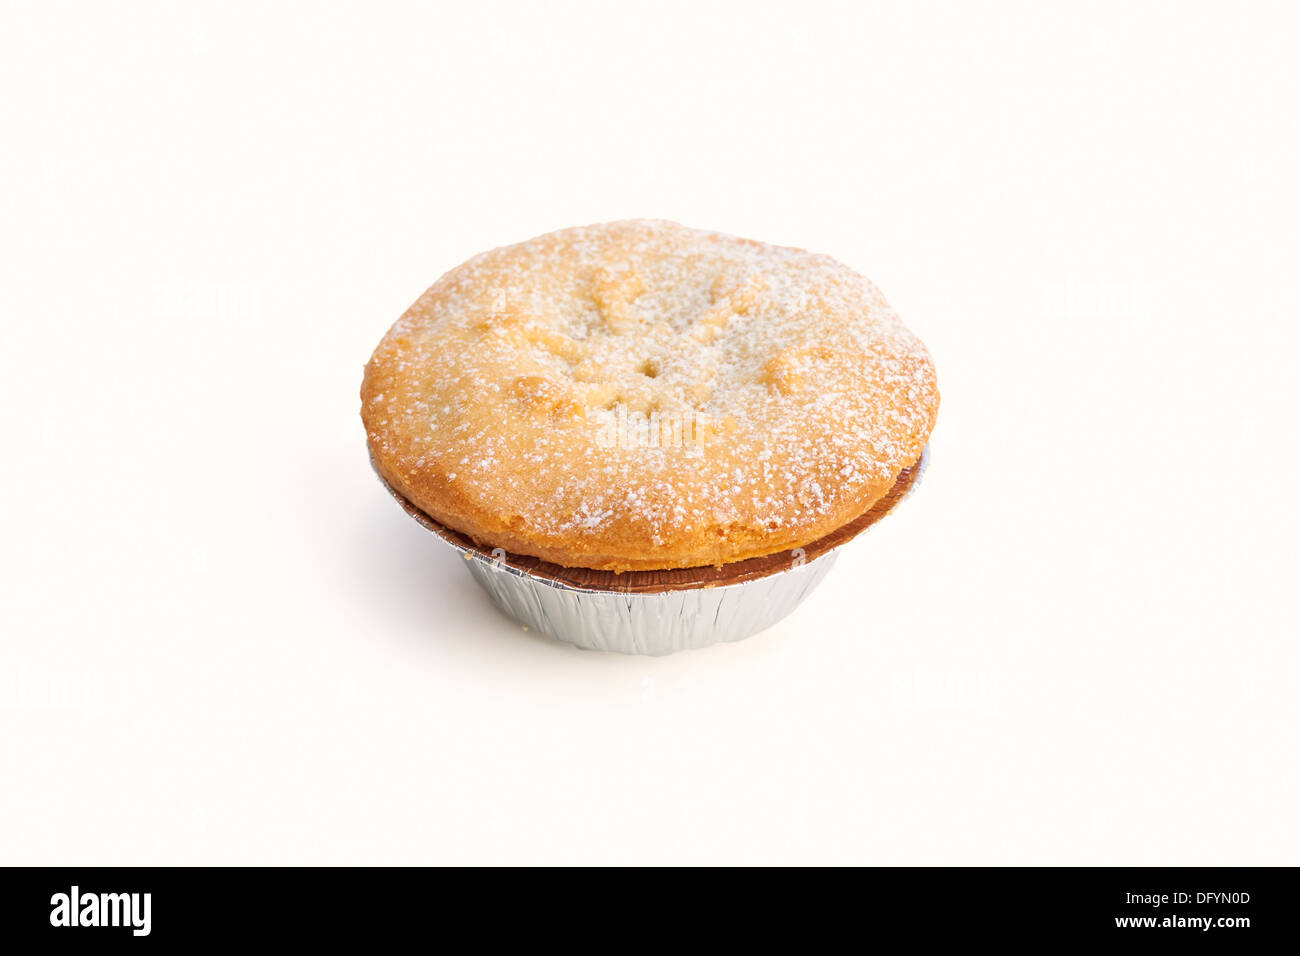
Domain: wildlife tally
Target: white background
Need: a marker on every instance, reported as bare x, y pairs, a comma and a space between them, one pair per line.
223, 643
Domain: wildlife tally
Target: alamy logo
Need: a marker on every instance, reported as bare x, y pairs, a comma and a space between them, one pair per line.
101, 909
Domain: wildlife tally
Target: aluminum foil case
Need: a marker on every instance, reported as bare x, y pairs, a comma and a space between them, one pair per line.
657, 612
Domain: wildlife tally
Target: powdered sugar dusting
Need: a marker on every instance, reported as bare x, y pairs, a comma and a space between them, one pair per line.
776, 386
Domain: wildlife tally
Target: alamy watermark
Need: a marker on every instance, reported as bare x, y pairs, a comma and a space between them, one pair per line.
76, 908
620, 427
1099, 300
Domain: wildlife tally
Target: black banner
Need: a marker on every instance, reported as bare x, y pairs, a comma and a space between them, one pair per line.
1225, 907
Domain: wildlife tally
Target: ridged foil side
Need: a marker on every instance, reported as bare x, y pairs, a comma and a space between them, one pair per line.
655, 623
652, 624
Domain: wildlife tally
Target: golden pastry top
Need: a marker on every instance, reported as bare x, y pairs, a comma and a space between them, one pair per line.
637, 395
